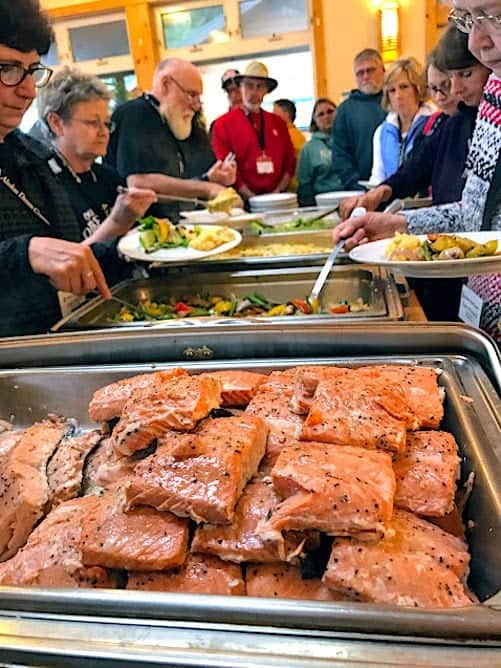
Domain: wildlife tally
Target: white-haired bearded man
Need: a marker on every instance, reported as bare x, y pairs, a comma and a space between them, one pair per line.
150, 144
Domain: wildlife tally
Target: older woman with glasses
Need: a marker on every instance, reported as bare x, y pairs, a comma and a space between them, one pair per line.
75, 108
404, 95
315, 170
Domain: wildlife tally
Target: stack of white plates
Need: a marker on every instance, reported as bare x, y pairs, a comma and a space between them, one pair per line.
334, 198
273, 201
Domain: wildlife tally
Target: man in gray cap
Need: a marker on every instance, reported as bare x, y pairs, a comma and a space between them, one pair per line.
231, 88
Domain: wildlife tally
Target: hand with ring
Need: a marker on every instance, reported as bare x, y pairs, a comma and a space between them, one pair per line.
70, 267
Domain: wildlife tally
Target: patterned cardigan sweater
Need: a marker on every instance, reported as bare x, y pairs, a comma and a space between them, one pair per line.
467, 215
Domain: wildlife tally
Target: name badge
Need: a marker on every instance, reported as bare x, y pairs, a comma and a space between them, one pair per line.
69, 302
470, 309
264, 165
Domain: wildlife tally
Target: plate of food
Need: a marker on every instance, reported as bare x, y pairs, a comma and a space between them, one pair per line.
159, 240
435, 255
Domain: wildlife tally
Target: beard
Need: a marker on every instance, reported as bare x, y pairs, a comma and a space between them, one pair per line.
370, 88
179, 123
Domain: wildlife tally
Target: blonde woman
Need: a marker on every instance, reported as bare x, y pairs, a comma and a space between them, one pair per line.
404, 95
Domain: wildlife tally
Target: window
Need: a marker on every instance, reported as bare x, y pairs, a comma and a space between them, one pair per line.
266, 17
101, 40
123, 87
190, 27
51, 58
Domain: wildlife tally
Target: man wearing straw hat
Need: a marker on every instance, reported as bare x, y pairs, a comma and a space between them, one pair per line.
260, 140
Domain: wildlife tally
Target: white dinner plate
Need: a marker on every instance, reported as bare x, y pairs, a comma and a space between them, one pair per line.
130, 246
373, 253
237, 218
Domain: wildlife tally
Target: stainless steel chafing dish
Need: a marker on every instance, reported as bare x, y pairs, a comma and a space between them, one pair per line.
58, 373
374, 286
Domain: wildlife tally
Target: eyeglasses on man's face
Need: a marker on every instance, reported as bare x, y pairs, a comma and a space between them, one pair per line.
466, 21
95, 123
193, 96
12, 74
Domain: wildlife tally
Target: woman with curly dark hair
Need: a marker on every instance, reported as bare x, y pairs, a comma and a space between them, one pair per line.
39, 234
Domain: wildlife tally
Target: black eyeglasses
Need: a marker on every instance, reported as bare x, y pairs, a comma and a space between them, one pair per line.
12, 74
193, 97
439, 90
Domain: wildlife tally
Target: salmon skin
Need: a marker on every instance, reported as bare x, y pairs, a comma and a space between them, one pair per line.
240, 542
51, 556
272, 404
237, 387
200, 574
105, 468
24, 490
108, 402
350, 409
140, 539
176, 403
65, 469
284, 581
416, 565
200, 475
337, 490
426, 473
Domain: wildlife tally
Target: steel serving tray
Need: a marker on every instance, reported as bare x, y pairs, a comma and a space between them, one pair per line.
472, 413
376, 288
118, 628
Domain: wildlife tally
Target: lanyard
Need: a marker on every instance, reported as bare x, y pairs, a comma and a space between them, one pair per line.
260, 132
70, 169
21, 196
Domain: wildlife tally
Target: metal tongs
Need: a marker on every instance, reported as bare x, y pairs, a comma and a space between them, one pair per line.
163, 199
325, 271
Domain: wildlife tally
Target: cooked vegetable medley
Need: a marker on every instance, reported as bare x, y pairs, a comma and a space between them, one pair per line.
408, 247
218, 305
157, 233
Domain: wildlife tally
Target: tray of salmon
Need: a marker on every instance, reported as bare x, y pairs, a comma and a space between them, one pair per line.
358, 494
261, 296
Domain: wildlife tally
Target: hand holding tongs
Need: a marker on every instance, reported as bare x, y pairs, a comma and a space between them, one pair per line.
324, 273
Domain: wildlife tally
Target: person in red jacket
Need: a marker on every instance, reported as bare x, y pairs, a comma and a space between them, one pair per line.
260, 140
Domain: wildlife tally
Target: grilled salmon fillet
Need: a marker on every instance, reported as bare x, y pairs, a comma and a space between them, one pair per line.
176, 403
306, 382
24, 490
426, 473
272, 404
201, 475
65, 469
141, 539
239, 542
105, 467
338, 490
420, 387
200, 574
51, 556
351, 409
284, 581
108, 402
237, 387
416, 564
